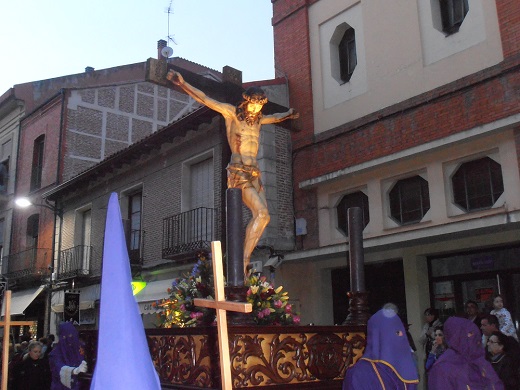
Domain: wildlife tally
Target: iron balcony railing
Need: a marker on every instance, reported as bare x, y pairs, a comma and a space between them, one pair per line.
189, 232
75, 262
27, 266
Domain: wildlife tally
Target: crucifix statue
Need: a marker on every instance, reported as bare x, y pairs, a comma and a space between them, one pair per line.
221, 305
243, 124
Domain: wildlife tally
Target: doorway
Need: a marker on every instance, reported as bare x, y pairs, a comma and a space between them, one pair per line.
477, 276
383, 280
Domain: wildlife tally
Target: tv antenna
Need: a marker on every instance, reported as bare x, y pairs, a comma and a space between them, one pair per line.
168, 51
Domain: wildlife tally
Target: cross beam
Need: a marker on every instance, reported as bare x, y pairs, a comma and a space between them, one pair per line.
221, 306
6, 323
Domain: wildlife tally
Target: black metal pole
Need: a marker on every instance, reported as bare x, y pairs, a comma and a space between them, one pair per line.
235, 242
357, 261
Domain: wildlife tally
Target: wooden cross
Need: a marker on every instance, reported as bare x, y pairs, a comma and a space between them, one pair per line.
221, 305
6, 323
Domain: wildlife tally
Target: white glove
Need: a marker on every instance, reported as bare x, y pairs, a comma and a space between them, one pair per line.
82, 368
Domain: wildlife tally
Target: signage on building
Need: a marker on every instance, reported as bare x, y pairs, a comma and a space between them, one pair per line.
483, 262
71, 307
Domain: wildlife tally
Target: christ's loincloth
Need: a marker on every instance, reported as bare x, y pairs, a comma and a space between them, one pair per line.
243, 176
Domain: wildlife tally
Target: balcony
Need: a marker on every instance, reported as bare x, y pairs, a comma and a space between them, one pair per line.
187, 233
75, 262
27, 267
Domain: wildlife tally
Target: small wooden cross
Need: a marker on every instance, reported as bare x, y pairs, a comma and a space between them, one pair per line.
6, 323
221, 305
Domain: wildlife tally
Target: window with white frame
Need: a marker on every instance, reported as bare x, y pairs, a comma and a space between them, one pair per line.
86, 230
477, 184
343, 53
354, 199
201, 199
409, 200
452, 13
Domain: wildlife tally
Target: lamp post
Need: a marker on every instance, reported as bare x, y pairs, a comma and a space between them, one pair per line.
24, 202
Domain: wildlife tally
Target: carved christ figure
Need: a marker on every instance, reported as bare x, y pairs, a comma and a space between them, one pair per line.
243, 124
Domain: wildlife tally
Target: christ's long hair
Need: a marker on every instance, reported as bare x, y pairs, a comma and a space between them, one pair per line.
252, 95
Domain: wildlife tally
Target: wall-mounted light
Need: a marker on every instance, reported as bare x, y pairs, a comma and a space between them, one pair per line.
24, 202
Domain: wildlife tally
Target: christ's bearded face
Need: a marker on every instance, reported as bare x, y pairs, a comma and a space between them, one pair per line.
254, 108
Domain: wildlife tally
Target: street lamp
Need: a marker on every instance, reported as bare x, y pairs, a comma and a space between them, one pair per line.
24, 202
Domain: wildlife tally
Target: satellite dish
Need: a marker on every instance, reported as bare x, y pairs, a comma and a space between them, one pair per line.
166, 51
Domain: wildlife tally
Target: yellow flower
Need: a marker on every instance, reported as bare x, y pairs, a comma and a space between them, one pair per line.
254, 289
278, 289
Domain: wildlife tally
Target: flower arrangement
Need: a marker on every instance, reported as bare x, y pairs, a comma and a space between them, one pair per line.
179, 310
270, 304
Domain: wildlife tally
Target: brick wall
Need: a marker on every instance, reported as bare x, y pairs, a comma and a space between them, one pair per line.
509, 17
159, 175
102, 121
467, 103
45, 121
292, 60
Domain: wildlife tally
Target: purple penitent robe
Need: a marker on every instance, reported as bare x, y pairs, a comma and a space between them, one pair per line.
463, 365
387, 362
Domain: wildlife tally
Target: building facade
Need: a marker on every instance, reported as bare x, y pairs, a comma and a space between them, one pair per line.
171, 185
411, 112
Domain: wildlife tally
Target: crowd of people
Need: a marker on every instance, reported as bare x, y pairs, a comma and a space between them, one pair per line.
477, 351
46, 365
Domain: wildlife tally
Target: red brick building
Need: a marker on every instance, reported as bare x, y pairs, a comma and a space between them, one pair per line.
410, 111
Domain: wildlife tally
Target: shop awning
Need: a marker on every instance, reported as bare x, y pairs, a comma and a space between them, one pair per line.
151, 293
87, 298
20, 300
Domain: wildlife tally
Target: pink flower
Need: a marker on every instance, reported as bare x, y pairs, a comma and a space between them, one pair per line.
183, 308
288, 308
296, 319
260, 314
267, 312
278, 304
196, 314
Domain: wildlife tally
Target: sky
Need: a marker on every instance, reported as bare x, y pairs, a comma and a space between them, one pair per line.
41, 39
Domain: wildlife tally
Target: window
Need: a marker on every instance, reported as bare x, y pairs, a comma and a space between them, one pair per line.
86, 230
4, 176
453, 13
355, 199
409, 200
343, 54
347, 54
33, 223
477, 184
134, 237
37, 162
201, 201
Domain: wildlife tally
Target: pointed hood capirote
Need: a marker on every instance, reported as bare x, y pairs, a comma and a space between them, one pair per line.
387, 342
123, 359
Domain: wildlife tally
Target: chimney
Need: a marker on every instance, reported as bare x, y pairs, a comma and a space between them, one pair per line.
89, 69
161, 43
232, 75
